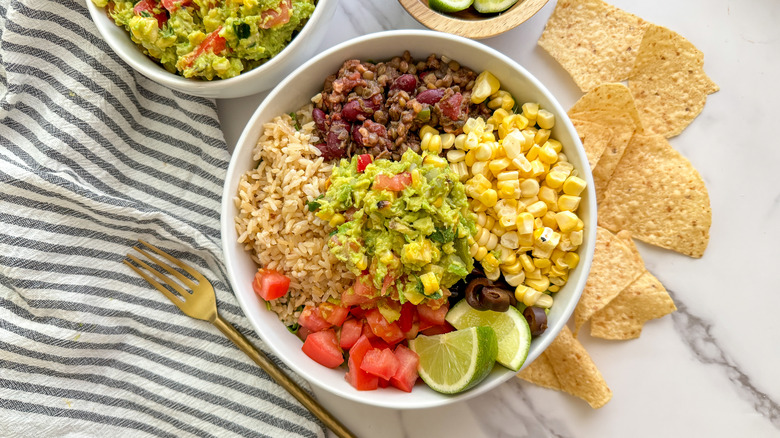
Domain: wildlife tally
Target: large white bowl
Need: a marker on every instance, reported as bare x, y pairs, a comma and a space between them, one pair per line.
296, 91
253, 81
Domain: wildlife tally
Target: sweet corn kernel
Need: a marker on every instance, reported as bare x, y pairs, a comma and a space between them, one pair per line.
482, 236
363, 263
513, 279
548, 220
501, 99
573, 186
490, 222
510, 240
490, 260
562, 158
455, 156
489, 198
485, 85
530, 110
553, 288
472, 141
541, 136
506, 255
576, 237
336, 220
481, 219
537, 209
533, 153
555, 281
435, 160
529, 187
507, 189
525, 223
470, 158
508, 221
492, 242
462, 170
447, 140
537, 168
568, 202
481, 168
541, 284
548, 195
491, 273
547, 154
498, 165
527, 262
460, 142
513, 144
430, 283
545, 119
522, 164
556, 145
542, 263
428, 129
555, 178
483, 152
566, 221
498, 116
571, 259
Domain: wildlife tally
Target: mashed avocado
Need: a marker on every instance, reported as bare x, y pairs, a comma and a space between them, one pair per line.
405, 223
210, 38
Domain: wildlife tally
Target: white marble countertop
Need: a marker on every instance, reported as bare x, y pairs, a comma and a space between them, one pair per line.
711, 368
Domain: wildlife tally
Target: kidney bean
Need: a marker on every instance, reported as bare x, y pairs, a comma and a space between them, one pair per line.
430, 96
336, 140
351, 110
406, 82
356, 136
320, 119
450, 107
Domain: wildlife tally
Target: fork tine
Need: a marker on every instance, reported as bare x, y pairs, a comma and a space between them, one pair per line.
187, 282
176, 300
197, 275
161, 276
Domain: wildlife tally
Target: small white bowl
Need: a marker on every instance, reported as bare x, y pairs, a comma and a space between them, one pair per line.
294, 92
251, 82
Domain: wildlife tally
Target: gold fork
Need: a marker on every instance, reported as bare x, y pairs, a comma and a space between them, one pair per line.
201, 303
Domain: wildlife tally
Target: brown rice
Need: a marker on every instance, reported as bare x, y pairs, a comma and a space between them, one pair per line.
274, 223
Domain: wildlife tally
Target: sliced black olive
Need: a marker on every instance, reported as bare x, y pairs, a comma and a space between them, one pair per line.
474, 290
537, 319
495, 299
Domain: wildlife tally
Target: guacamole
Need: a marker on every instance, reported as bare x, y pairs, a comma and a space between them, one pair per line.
210, 39
404, 223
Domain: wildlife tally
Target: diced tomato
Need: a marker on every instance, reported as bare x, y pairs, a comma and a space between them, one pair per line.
323, 347
351, 299
383, 383
276, 16
388, 331
361, 380
350, 332
386, 283
363, 161
213, 43
148, 6
393, 183
364, 286
311, 319
357, 311
406, 375
413, 331
408, 312
368, 333
438, 329
270, 285
173, 5
333, 314
450, 107
432, 316
381, 363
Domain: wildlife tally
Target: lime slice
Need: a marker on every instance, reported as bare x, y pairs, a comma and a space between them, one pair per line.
511, 327
493, 6
456, 361
449, 5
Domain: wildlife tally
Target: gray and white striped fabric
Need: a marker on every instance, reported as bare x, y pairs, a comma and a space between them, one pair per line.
94, 156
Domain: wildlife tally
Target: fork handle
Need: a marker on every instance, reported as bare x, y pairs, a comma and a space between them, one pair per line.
282, 378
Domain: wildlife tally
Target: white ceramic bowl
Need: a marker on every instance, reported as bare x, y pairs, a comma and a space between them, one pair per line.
253, 81
294, 92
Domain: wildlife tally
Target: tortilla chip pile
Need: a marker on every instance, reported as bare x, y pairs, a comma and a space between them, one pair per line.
644, 188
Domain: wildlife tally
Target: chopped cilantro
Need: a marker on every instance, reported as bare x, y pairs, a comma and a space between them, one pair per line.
443, 235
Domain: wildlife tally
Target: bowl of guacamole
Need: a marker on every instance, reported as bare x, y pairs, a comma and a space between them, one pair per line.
213, 48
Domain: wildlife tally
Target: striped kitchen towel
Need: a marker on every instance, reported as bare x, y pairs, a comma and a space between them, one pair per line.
94, 156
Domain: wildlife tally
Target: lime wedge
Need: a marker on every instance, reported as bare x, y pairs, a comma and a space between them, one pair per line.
449, 5
456, 361
493, 6
511, 327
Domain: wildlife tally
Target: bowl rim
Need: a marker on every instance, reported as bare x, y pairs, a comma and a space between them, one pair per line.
227, 220
129, 53
490, 26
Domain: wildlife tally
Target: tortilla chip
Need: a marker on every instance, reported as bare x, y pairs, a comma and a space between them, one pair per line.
668, 82
623, 318
575, 370
657, 195
540, 372
594, 41
594, 137
605, 102
613, 268
626, 237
